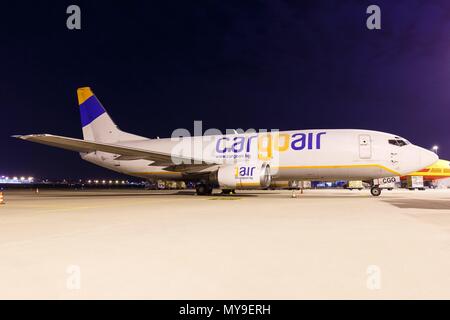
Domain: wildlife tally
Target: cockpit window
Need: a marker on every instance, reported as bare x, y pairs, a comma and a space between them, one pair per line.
398, 142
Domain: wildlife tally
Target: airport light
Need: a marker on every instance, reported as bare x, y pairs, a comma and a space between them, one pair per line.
435, 149
22, 178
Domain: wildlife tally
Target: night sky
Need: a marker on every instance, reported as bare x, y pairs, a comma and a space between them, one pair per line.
160, 65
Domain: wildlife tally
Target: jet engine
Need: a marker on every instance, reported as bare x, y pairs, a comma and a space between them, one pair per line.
242, 176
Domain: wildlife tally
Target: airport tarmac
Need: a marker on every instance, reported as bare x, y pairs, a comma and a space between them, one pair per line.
254, 245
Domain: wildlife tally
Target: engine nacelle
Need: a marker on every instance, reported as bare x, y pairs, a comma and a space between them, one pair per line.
242, 176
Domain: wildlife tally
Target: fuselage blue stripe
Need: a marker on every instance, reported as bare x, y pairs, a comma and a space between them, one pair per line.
90, 110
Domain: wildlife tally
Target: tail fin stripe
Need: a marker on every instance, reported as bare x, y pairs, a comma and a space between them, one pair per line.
90, 110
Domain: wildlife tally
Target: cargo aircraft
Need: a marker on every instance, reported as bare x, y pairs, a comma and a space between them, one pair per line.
437, 171
240, 161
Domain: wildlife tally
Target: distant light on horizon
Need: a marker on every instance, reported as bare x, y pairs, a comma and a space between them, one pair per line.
16, 180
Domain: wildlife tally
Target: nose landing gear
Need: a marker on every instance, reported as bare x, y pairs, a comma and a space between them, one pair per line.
375, 191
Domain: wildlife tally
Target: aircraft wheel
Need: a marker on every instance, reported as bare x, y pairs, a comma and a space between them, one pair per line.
375, 191
203, 189
227, 191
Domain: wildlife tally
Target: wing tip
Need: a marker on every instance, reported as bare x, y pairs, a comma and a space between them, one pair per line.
19, 136
28, 136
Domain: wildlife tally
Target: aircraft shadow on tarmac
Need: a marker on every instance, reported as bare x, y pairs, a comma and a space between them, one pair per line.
109, 195
443, 204
138, 195
169, 193
265, 193
218, 194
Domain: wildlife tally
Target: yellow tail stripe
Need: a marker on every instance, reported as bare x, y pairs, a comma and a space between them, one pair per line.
84, 94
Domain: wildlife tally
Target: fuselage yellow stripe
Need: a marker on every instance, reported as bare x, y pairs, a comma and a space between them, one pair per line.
340, 167
248, 184
291, 167
154, 173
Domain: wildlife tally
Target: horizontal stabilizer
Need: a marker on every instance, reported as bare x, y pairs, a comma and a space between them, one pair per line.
124, 152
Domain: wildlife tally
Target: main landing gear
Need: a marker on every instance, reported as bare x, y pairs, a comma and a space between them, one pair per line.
375, 191
203, 189
228, 192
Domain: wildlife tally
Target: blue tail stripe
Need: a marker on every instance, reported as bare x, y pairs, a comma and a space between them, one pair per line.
90, 110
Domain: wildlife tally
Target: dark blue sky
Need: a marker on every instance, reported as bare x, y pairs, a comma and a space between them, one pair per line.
160, 65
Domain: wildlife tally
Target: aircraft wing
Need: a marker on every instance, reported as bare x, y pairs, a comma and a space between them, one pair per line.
124, 152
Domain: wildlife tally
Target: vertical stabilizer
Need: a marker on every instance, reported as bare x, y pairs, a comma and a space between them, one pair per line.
97, 124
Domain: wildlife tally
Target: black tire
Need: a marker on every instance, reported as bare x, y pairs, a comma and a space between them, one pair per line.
375, 191
203, 189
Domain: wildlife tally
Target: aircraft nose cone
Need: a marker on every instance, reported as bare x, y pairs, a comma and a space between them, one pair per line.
427, 158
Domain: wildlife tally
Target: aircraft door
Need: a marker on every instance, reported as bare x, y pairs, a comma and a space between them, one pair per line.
365, 146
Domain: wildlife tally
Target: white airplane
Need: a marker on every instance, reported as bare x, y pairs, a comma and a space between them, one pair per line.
240, 161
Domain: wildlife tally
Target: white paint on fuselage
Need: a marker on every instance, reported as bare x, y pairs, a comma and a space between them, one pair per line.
342, 155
